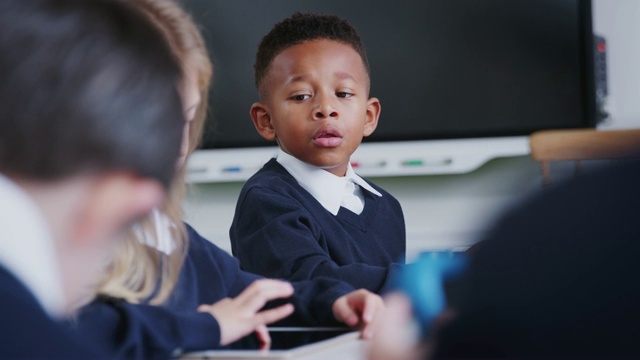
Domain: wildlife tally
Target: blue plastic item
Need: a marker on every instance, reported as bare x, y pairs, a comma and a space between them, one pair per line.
423, 281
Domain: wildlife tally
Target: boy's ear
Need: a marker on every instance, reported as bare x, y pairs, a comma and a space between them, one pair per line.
262, 121
373, 113
115, 201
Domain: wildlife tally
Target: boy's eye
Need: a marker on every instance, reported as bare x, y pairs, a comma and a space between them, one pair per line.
300, 97
343, 94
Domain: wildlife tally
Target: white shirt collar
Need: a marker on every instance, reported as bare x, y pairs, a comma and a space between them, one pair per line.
163, 239
325, 187
27, 249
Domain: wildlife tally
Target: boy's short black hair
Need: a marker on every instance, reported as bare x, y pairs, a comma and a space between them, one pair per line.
301, 27
87, 86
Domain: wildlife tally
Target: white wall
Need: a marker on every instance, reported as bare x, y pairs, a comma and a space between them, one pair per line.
452, 210
618, 21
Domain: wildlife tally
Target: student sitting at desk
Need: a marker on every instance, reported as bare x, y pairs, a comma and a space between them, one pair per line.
306, 213
556, 278
75, 75
140, 314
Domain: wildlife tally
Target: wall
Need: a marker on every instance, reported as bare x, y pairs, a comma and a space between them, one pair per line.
444, 211
617, 21
441, 211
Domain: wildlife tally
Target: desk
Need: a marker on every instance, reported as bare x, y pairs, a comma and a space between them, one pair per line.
343, 347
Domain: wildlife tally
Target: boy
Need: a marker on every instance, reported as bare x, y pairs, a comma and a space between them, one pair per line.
306, 213
76, 75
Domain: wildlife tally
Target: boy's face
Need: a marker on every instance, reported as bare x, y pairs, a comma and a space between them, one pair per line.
317, 104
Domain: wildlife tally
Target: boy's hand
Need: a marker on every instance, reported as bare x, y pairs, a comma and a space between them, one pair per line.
359, 308
239, 316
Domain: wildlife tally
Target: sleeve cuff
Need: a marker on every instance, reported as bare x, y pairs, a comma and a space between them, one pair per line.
200, 331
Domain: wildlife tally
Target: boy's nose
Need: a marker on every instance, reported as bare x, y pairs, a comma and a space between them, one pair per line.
324, 109
320, 114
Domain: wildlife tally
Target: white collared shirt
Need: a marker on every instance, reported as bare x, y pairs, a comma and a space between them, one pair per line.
27, 249
329, 190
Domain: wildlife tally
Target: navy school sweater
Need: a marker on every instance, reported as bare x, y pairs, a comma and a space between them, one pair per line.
280, 230
209, 274
27, 332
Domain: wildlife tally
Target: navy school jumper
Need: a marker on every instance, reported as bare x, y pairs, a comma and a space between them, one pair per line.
26, 331
280, 230
209, 274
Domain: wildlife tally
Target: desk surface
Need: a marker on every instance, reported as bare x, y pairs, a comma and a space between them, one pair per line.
347, 346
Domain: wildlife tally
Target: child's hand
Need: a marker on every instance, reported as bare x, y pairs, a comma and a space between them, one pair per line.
239, 316
396, 337
360, 307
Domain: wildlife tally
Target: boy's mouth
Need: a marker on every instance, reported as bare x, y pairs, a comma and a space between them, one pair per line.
327, 137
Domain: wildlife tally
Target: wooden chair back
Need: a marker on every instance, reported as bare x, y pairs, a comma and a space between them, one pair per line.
582, 144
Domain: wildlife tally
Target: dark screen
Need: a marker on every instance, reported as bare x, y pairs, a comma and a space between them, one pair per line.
441, 68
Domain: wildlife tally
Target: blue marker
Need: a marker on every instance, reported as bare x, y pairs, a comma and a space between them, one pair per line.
232, 169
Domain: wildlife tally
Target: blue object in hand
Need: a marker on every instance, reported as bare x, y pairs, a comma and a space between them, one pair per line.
423, 281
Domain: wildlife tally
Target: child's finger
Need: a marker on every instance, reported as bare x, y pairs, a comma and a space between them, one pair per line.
373, 305
204, 308
343, 311
273, 315
263, 336
261, 291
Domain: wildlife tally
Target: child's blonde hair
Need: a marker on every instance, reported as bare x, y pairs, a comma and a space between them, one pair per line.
139, 271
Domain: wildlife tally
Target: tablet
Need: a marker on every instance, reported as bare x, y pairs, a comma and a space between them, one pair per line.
286, 343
